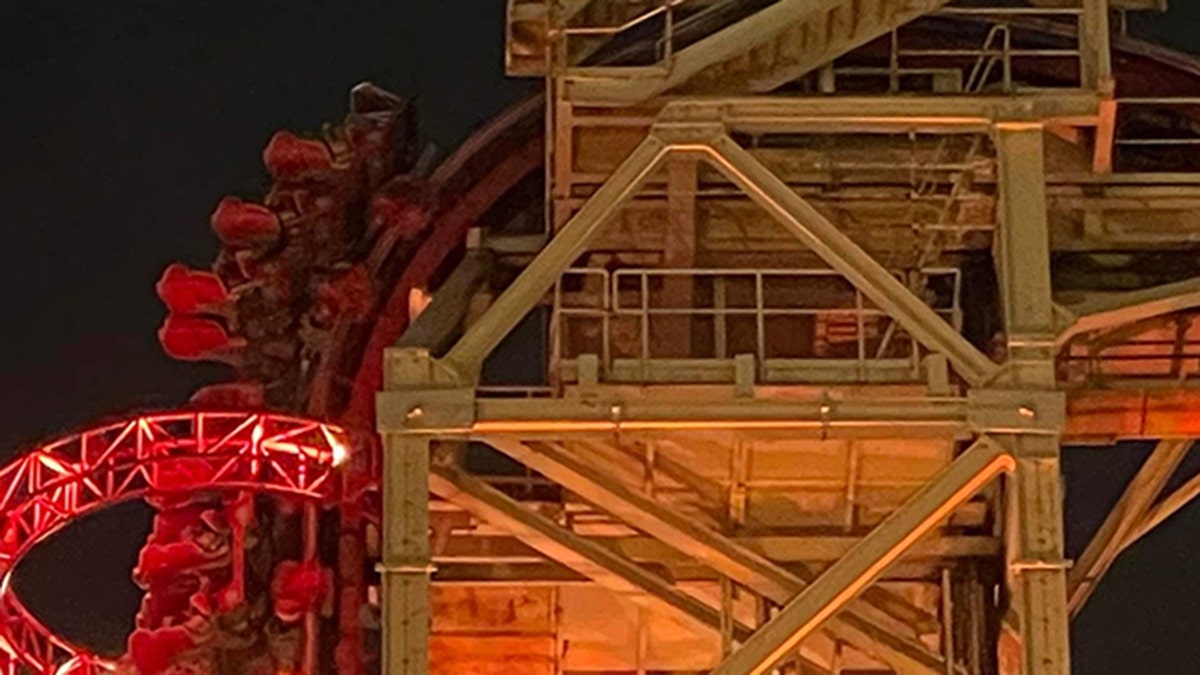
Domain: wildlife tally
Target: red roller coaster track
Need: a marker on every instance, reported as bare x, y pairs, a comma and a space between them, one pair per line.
177, 452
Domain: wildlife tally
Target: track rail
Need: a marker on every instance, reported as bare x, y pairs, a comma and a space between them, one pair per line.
47, 488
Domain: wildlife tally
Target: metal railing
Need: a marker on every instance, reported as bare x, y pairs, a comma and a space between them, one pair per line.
514, 391
999, 47
1167, 360
663, 43
784, 318
1161, 103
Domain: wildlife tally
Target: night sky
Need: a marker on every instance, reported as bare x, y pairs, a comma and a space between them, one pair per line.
123, 124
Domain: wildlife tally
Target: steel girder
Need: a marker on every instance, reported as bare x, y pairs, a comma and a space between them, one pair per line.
467, 355
434, 328
1111, 311
1164, 509
582, 555
766, 189
817, 550
1037, 569
858, 627
1039, 557
848, 577
1123, 521
852, 114
842, 254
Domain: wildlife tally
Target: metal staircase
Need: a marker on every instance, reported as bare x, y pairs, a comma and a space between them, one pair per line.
759, 53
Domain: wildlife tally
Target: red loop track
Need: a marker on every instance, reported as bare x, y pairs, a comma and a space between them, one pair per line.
44, 490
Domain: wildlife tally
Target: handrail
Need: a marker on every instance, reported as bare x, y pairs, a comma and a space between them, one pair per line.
1158, 102
605, 306
667, 6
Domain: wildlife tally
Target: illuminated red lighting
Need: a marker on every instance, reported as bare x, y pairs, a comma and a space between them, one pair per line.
45, 489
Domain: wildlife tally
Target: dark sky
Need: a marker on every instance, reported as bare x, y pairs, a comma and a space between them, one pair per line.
125, 121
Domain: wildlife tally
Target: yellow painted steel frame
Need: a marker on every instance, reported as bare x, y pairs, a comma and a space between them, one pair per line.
848, 577
722, 554
1018, 408
710, 142
582, 555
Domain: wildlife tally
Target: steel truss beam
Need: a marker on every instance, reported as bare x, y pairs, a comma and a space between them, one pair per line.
842, 254
582, 555
467, 355
1123, 521
860, 627
723, 45
1111, 311
1164, 509
848, 577
1040, 579
761, 185
434, 329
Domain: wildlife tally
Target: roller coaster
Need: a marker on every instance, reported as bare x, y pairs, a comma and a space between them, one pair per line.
738, 350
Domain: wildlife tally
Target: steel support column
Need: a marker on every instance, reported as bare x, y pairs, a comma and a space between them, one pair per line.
848, 577
1095, 48
1037, 567
406, 562
1023, 256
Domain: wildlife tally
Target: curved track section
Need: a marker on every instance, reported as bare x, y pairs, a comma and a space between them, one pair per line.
44, 490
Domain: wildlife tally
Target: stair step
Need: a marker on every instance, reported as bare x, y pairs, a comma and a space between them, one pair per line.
773, 46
